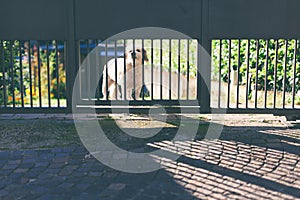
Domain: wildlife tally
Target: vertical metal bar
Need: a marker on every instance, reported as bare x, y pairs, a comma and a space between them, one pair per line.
21, 73
152, 65
248, 87
97, 93
134, 81
48, 73
266, 74
116, 70
188, 69
78, 44
30, 72
284, 78
179, 70
57, 74
238, 76
204, 72
4, 73
220, 72
229, 71
106, 73
71, 49
124, 89
12, 72
161, 70
143, 71
294, 73
256, 72
170, 69
88, 70
275, 73
39, 73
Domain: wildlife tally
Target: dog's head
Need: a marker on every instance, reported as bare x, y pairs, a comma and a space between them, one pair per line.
136, 56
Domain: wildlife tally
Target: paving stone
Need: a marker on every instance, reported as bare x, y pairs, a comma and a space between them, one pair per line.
57, 150
4, 155
21, 170
66, 185
27, 165
213, 173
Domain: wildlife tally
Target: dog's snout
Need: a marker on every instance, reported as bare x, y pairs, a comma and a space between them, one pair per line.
133, 55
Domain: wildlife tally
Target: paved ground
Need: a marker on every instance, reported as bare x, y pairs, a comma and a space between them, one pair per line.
254, 158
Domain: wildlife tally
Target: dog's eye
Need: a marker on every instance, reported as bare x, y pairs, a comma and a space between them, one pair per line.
138, 50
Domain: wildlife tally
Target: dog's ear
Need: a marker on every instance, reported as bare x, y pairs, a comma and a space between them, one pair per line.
125, 55
145, 55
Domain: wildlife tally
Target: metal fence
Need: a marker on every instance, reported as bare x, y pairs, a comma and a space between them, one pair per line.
254, 66
32, 74
168, 69
256, 74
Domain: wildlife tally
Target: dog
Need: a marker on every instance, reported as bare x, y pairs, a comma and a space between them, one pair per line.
123, 75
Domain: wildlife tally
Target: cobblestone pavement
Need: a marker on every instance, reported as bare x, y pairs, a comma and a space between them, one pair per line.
257, 159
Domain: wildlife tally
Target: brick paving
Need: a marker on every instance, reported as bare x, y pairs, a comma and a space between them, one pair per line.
260, 160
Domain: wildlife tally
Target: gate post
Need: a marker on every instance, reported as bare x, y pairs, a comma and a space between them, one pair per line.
71, 54
204, 66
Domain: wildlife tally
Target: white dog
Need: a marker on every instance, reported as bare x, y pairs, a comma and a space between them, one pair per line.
116, 75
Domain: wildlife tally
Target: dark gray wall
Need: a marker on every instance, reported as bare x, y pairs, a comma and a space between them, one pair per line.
33, 19
82, 19
254, 19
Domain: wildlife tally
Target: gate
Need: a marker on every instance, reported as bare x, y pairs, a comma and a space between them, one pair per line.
254, 51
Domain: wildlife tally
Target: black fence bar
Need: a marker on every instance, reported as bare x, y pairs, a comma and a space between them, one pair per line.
266, 74
284, 76
125, 80
12, 68
30, 72
229, 78
256, 72
48, 73
21, 73
294, 74
106, 72
188, 69
97, 93
170, 69
134, 73
152, 65
219, 74
57, 73
39, 73
88, 70
248, 76
275, 73
143, 70
116, 70
161, 69
238, 74
179, 69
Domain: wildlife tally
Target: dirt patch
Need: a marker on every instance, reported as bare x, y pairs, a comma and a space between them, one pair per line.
54, 132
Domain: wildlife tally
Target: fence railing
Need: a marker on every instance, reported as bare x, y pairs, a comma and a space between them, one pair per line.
254, 66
